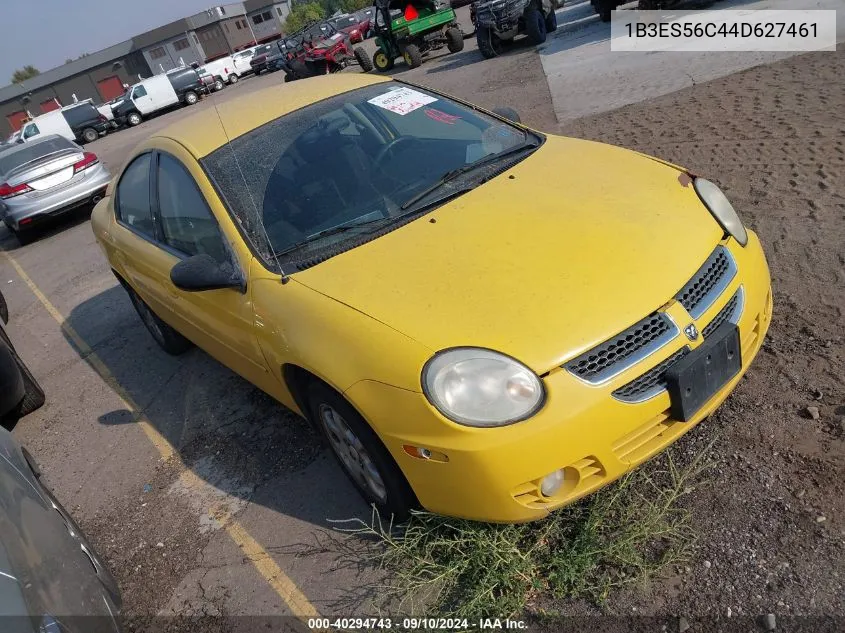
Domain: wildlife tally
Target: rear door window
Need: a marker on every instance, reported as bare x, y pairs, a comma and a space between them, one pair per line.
133, 197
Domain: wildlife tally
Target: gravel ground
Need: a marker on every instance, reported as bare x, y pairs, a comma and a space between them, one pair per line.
771, 518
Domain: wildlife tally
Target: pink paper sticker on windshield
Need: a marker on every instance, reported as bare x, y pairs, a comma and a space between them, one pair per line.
442, 117
402, 100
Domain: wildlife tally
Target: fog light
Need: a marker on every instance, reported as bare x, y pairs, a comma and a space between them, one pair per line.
551, 483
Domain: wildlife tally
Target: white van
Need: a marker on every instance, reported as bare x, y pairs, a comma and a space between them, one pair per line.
80, 123
241, 61
224, 70
181, 85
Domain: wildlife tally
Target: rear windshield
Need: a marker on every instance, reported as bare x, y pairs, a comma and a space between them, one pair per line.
359, 157
22, 154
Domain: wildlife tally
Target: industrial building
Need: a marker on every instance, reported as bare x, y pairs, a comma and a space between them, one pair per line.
101, 76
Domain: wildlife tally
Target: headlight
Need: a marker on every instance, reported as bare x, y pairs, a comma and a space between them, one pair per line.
480, 387
721, 209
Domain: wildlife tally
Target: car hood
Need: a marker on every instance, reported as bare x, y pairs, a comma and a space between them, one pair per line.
557, 254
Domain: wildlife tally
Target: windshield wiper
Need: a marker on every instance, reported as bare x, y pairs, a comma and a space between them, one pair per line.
335, 230
451, 175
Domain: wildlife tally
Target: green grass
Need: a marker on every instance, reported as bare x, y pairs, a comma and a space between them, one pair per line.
624, 534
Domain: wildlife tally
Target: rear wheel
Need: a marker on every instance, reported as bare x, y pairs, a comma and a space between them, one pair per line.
168, 339
362, 59
488, 42
551, 22
233, 78
454, 39
535, 26
218, 84
382, 61
25, 236
133, 119
191, 97
89, 135
603, 8
360, 453
413, 56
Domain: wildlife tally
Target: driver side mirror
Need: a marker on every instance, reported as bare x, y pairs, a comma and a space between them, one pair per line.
507, 113
202, 272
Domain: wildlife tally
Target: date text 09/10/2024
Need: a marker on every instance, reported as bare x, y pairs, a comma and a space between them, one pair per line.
412, 624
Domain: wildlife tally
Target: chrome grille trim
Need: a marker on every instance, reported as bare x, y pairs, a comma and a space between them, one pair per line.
708, 283
626, 349
651, 383
730, 312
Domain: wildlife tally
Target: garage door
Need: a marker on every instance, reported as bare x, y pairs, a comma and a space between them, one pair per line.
110, 87
49, 106
16, 119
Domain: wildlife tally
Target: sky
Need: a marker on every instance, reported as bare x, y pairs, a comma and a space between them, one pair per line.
45, 33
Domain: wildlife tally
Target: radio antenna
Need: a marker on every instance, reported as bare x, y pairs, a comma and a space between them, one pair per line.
284, 278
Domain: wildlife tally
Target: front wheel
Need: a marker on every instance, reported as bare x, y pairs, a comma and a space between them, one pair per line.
360, 453
233, 78
454, 39
413, 56
382, 61
535, 26
191, 97
362, 59
488, 42
218, 85
89, 135
133, 119
168, 339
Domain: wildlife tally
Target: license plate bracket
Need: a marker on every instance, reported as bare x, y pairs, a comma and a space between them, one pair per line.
696, 377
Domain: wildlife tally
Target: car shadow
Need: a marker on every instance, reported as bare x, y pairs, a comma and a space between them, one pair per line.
51, 227
232, 435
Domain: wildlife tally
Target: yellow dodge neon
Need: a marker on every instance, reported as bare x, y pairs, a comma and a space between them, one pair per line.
482, 320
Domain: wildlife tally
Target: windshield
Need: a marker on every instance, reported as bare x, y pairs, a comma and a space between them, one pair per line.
353, 159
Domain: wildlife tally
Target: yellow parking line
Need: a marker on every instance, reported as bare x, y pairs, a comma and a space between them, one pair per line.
281, 583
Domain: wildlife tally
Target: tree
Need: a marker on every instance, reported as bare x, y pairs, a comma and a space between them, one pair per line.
22, 74
351, 6
303, 14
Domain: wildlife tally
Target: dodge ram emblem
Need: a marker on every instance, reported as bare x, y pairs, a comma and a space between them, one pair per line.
691, 331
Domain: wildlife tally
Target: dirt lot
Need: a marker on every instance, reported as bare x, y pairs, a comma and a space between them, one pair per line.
770, 519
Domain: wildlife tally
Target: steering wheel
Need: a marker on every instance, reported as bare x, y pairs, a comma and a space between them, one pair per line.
387, 149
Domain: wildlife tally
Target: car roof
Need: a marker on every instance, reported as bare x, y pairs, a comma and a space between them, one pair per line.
202, 132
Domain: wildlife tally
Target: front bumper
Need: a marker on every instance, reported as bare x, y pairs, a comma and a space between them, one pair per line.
29, 208
494, 474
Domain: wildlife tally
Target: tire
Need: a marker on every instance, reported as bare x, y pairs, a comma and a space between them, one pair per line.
233, 78
454, 39
133, 119
289, 78
551, 22
217, 85
168, 339
382, 61
191, 97
362, 59
366, 461
488, 42
413, 56
603, 8
89, 135
25, 236
535, 26
4, 309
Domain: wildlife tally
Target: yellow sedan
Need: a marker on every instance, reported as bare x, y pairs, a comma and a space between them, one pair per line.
482, 320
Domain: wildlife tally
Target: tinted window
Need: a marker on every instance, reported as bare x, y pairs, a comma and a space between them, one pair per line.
186, 220
133, 196
80, 114
355, 158
139, 91
30, 131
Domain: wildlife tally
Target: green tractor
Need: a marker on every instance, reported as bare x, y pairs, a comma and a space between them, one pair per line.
411, 28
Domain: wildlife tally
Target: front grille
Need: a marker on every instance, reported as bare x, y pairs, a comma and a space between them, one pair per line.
623, 350
650, 383
708, 282
730, 312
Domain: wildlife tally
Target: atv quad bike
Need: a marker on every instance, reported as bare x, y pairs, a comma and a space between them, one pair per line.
411, 29
500, 21
320, 49
604, 7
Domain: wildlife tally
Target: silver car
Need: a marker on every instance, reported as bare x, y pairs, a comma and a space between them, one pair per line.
45, 178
